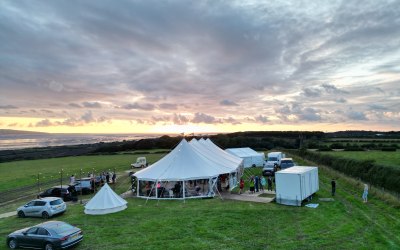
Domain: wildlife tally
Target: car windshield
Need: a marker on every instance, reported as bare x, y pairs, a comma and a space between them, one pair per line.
56, 202
272, 158
62, 227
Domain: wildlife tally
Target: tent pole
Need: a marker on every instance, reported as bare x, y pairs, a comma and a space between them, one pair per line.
150, 193
183, 190
220, 196
137, 190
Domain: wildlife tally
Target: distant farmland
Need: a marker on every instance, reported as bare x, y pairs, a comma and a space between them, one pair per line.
380, 157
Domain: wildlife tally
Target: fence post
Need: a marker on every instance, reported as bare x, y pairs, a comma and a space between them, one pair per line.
61, 176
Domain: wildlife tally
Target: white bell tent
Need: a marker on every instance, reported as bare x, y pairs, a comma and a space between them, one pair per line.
106, 201
183, 173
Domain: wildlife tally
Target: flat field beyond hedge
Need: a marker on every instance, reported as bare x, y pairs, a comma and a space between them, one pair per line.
380, 157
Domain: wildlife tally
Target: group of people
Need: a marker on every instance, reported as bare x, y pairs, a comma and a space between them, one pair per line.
364, 195
256, 184
105, 177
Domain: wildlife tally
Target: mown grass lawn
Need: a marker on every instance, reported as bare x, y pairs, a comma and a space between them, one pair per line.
345, 223
380, 157
221, 224
22, 173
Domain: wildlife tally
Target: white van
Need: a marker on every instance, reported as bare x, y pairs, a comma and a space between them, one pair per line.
274, 158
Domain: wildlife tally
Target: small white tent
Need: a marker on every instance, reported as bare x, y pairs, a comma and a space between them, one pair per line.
106, 201
250, 157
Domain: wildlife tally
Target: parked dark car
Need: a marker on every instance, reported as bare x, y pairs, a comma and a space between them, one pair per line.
67, 193
286, 163
49, 235
268, 172
84, 185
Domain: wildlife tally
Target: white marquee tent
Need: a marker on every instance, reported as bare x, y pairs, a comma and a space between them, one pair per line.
183, 173
216, 154
250, 157
106, 201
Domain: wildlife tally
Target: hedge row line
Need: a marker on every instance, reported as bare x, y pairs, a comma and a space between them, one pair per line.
367, 170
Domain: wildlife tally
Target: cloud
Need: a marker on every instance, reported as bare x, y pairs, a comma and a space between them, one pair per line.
323, 90
44, 123
332, 89
356, 115
179, 119
309, 114
341, 100
168, 106
261, 119
200, 57
91, 104
231, 120
311, 92
228, 103
74, 105
144, 106
204, 118
377, 107
8, 107
47, 111
160, 119
86, 118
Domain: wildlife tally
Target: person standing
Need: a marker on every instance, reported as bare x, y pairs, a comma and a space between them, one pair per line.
333, 184
241, 186
269, 183
72, 179
365, 194
252, 185
263, 183
256, 183
114, 176
107, 177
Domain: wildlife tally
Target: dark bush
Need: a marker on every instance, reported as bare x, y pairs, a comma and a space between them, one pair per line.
389, 149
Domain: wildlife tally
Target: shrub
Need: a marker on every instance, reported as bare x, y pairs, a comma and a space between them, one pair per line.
389, 149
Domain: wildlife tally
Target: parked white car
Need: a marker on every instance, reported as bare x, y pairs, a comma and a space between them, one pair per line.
140, 163
44, 207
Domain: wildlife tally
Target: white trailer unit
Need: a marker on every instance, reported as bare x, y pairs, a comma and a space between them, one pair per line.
295, 184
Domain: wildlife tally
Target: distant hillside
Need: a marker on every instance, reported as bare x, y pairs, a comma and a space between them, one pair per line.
18, 132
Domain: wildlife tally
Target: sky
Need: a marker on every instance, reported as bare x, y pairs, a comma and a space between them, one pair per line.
99, 66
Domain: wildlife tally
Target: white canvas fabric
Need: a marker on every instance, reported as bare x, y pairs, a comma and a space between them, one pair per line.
184, 162
249, 156
212, 147
221, 157
106, 201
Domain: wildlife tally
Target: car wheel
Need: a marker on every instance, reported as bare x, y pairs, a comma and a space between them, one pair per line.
48, 246
13, 244
21, 214
45, 215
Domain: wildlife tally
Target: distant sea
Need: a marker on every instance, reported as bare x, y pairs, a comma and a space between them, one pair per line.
19, 141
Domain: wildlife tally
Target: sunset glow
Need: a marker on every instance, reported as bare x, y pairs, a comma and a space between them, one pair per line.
199, 67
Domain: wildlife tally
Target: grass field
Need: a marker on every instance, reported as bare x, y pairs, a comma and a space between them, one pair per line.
380, 157
345, 223
22, 173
